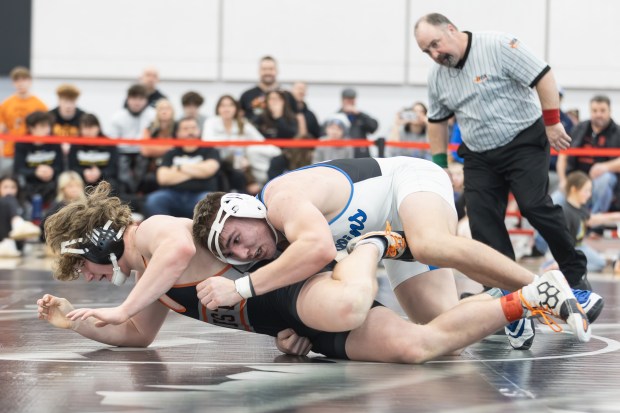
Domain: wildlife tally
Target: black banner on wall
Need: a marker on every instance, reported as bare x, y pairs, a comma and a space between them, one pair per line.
15, 34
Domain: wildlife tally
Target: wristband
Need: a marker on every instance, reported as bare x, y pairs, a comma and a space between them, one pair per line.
244, 287
441, 159
551, 116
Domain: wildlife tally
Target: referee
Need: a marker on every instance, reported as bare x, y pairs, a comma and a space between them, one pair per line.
486, 80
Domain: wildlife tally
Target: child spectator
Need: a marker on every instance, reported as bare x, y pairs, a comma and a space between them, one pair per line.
93, 163
67, 114
39, 164
579, 219
70, 188
191, 102
13, 112
14, 212
336, 128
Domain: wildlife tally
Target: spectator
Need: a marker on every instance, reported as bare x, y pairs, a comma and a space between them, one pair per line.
149, 79
573, 114
14, 212
409, 126
228, 124
505, 139
130, 123
94, 163
290, 159
191, 102
39, 164
336, 128
70, 188
162, 127
278, 121
298, 91
66, 114
186, 175
579, 220
253, 100
361, 124
13, 112
598, 132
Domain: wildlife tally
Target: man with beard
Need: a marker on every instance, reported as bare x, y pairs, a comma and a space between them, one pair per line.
598, 132
186, 175
486, 80
253, 100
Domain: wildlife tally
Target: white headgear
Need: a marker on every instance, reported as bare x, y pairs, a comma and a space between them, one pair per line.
238, 206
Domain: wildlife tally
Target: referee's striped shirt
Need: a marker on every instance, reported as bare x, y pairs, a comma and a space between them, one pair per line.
490, 92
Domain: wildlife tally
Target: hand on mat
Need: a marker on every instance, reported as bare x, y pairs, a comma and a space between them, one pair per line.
104, 316
54, 310
216, 292
288, 342
557, 136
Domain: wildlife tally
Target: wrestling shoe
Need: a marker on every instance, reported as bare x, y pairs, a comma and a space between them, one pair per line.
550, 295
521, 333
592, 303
395, 243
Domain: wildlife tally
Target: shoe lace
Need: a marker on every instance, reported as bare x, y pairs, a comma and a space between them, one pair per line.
541, 313
397, 244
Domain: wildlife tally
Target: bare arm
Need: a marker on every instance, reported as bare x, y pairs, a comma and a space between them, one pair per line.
605, 218
560, 168
139, 331
311, 246
171, 248
173, 175
550, 99
438, 136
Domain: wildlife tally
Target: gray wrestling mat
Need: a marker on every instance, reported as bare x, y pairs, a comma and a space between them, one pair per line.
192, 366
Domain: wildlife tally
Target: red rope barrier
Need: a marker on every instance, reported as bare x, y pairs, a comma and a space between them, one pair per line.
283, 143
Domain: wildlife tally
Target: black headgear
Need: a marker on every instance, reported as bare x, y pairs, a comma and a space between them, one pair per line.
99, 245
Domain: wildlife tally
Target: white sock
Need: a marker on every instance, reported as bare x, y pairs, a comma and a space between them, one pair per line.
377, 242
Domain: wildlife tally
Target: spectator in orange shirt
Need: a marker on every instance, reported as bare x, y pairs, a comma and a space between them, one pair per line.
13, 112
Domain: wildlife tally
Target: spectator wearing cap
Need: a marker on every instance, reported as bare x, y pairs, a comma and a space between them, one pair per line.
191, 102
336, 128
13, 112
361, 124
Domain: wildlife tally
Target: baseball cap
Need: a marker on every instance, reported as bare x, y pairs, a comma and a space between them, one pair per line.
349, 93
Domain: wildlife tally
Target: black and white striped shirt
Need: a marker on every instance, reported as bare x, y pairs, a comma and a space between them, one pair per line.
491, 94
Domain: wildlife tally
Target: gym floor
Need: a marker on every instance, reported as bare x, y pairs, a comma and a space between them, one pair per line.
192, 366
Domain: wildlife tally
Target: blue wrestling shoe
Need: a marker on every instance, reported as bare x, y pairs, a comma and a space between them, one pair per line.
521, 333
592, 303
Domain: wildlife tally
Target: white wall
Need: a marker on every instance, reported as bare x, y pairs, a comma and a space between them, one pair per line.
213, 46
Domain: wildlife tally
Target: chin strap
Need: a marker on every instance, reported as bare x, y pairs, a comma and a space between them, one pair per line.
118, 276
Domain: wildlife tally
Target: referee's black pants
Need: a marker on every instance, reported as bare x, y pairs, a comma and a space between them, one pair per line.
521, 166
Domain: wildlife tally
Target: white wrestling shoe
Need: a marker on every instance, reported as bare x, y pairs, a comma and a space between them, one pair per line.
551, 295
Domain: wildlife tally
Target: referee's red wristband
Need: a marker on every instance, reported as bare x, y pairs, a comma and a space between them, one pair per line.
551, 116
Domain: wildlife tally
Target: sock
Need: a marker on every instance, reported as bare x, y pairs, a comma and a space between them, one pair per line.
378, 242
512, 307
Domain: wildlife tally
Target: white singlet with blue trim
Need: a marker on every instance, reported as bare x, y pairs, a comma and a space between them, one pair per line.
378, 187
